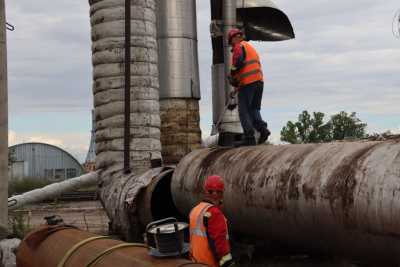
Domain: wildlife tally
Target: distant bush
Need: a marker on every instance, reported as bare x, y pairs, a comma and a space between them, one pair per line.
19, 186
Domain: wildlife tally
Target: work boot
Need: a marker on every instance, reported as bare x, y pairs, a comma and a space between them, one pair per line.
264, 134
246, 141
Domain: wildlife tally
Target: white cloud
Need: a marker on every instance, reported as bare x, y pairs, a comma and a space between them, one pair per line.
12, 138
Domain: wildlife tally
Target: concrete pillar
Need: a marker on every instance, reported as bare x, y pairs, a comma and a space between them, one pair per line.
3, 119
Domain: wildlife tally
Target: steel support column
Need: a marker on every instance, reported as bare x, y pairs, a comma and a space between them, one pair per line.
3, 118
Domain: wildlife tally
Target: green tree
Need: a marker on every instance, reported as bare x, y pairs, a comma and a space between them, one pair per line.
312, 129
347, 126
290, 134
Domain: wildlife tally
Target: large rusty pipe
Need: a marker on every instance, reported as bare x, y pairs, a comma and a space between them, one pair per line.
47, 247
342, 198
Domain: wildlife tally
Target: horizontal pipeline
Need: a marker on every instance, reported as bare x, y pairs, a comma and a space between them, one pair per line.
62, 246
341, 198
53, 190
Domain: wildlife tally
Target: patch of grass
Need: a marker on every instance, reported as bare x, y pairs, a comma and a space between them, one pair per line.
19, 186
19, 225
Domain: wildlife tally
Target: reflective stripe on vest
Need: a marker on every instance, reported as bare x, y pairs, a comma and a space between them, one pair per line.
251, 71
197, 230
199, 247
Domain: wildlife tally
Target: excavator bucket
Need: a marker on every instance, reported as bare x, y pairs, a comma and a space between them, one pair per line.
262, 20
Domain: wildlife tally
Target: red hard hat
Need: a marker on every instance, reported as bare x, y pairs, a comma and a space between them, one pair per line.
232, 33
214, 182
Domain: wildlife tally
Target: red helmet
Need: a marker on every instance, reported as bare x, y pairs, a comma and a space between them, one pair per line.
232, 33
214, 182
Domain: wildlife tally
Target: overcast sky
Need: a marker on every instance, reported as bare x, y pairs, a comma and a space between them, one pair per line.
344, 57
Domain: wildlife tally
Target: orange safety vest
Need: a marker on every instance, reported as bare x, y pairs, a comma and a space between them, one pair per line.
199, 248
251, 71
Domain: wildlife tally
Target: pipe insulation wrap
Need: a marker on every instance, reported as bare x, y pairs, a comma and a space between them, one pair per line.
53, 190
342, 198
108, 46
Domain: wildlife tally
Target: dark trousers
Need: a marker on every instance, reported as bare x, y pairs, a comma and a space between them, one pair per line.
250, 97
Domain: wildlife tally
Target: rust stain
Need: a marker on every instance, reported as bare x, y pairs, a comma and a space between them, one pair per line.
293, 186
183, 169
263, 160
206, 164
342, 183
308, 192
263, 181
287, 186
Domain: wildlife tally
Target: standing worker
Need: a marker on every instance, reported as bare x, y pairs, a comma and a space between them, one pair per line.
247, 79
209, 241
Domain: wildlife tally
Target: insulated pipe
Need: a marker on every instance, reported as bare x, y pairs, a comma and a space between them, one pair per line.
58, 246
52, 190
3, 119
340, 198
108, 47
127, 80
177, 46
179, 78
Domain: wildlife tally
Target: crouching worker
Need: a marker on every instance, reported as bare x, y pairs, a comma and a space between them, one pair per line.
209, 241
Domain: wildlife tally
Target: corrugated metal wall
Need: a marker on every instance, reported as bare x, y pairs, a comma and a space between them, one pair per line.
45, 161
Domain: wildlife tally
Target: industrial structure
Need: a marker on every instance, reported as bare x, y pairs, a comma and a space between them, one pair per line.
3, 118
179, 78
45, 161
90, 161
340, 198
42, 248
260, 20
126, 96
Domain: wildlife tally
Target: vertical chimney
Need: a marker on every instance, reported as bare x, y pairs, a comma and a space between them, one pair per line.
179, 78
108, 37
223, 18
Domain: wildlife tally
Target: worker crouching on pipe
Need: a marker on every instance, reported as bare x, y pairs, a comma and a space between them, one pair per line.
209, 239
247, 78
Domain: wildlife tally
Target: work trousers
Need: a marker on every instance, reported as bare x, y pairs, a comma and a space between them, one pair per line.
250, 97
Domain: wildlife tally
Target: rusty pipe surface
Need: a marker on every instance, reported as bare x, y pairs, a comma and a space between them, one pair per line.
46, 247
342, 198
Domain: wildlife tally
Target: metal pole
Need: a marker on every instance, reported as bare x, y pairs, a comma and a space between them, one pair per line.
3, 119
229, 18
127, 85
223, 19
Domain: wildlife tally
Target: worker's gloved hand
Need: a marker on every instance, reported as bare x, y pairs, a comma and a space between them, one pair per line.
227, 261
